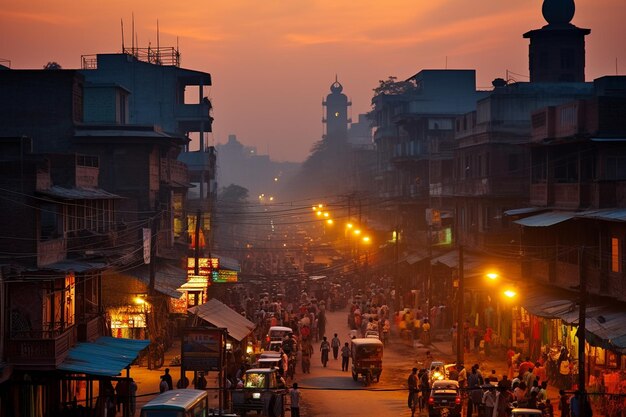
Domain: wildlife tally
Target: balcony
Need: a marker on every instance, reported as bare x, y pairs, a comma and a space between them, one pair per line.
51, 251
39, 350
91, 329
492, 187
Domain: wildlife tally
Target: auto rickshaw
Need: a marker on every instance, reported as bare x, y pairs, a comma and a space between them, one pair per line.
367, 359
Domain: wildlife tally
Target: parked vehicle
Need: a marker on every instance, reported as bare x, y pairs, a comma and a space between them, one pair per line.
444, 399
263, 390
367, 359
178, 403
437, 371
275, 336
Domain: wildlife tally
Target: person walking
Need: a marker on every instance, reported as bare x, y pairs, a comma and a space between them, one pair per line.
345, 357
325, 349
335, 343
132, 389
413, 391
294, 394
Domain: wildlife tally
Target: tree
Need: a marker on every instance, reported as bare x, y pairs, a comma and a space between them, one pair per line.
391, 86
233, 194
52, 65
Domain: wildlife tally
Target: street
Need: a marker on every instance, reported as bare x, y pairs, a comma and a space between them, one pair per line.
329, 391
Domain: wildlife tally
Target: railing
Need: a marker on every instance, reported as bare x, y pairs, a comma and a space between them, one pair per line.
46, 353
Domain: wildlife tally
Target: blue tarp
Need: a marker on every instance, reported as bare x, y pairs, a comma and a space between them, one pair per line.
106, 356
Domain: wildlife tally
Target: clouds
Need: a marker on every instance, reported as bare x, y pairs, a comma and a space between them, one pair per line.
271, 54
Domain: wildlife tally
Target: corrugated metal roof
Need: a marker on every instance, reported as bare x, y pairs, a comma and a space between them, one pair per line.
107, 356
523, 210
546, 219
220, 315
76, 266
78, 193
167, 278
451, 260
174, 399
618, 214
228, 263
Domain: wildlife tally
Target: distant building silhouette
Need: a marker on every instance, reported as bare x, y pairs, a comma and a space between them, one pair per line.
336, 119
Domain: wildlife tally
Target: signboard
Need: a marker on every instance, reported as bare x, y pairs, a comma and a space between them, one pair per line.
433, 217
147, 239
201, 348
225, 275
205, 266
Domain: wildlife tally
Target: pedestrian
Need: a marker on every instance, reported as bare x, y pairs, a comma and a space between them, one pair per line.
294, 393
307, 351
132, 389
163, 384
564, 403
489, 400
324, 348
183, 382
335, 343
122, 392
413, 391
168, 379
345, 357
199, 382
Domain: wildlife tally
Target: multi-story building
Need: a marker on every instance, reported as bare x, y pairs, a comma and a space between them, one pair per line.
574, 233
122, 123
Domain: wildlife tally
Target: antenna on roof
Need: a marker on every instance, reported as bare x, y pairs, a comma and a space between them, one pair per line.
133, 34
122, 25
158, 57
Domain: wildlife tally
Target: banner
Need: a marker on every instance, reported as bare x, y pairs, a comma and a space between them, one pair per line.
201, 348
147, 241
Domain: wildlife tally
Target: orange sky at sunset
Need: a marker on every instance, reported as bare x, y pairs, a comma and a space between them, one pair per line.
273, 61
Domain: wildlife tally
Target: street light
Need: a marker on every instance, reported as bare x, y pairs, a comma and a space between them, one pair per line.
357, 232
329, 221
492, 276
510, 293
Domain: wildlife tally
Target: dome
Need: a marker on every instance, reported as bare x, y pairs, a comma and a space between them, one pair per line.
336, 88
558, 12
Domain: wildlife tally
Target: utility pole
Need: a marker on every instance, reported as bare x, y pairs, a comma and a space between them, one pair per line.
154, 231
196, 254
459, 327
396, 274
582, 312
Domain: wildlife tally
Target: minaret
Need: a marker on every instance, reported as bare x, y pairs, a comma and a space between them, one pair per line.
336, 119
557, 50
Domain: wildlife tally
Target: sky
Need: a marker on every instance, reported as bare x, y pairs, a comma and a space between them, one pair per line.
272, 62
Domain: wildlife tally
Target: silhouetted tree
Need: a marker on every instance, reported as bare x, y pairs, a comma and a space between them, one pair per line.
52, 65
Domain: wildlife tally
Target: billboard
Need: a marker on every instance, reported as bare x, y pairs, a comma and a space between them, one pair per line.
202, 348
205, 266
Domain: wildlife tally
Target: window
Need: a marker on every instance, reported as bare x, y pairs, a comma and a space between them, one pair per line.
51, 223
514, 164
615, 168
616, 258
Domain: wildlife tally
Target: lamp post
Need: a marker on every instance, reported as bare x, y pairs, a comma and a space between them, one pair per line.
460, 350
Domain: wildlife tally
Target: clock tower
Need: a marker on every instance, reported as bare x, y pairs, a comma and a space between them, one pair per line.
336, 118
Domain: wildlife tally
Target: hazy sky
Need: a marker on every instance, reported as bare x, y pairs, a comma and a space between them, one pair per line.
273, 61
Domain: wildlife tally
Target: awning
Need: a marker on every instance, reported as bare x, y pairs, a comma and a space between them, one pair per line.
414, 257
166, 279
451, 260
546, 219
107, 356
606, 214
220, 315
74, 266
228, 263
605, 325
608, 139
523, 210
78, 193
548, 305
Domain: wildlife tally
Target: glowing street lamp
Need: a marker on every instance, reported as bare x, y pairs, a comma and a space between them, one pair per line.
329, 221
492, 276
510, 293
357, 232
366, 239
349, 225
326, 214
319, 213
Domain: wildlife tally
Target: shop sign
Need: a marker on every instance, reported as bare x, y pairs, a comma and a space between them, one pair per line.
225, 275
205, 266
201, 348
